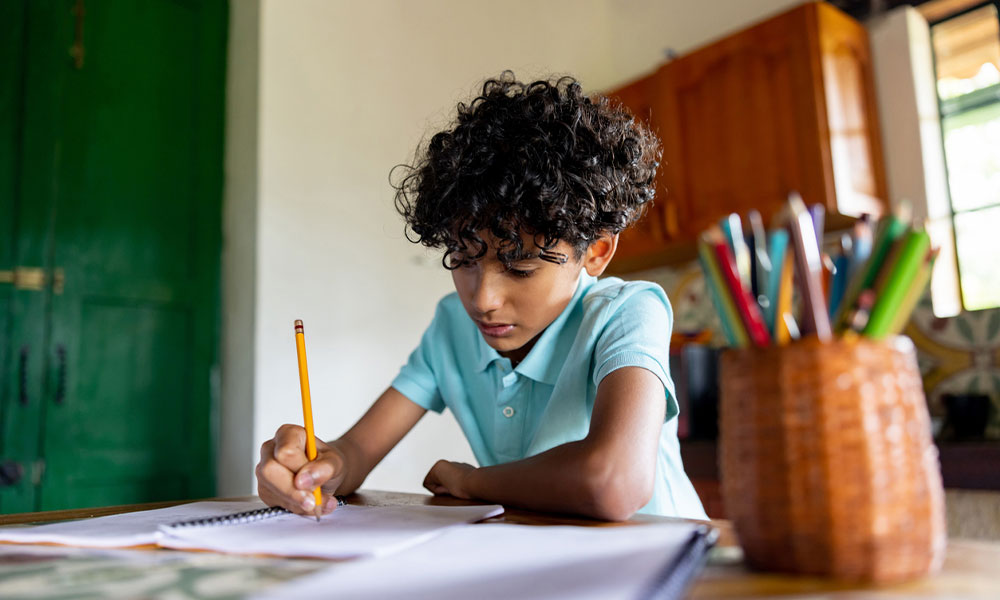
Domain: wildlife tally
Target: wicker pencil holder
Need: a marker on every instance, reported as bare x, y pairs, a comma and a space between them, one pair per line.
828, 467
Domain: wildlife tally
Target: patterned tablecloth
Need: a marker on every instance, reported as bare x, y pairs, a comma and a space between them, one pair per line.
74, 573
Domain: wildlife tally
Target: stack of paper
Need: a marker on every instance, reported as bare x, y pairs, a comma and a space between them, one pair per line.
505, 561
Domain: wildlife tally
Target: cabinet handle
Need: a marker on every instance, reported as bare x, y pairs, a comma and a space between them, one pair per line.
61, 381
22, 376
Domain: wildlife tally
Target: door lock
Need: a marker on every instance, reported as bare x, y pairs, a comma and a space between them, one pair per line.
33, 279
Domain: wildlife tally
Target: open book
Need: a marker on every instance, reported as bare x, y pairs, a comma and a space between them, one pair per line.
250, 527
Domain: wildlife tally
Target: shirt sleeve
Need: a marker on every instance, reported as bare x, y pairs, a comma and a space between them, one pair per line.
637, 334
416, 379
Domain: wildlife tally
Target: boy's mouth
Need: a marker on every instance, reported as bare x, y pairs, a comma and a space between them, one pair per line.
495, 330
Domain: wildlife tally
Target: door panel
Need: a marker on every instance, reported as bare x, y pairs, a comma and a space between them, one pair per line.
117, 186
744, 130
22, 243
137, 234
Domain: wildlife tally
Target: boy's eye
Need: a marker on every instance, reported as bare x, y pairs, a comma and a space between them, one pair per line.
520, 272
458, 262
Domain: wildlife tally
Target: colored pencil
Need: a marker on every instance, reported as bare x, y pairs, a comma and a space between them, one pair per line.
783, 303
888, 230
777, 244
732, 328
745, 305
911, 257
914, 294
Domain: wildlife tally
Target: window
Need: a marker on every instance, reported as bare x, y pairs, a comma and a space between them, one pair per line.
967, 63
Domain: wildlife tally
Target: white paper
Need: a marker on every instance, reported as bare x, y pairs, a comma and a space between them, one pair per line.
349, 532
505, 561
118, 531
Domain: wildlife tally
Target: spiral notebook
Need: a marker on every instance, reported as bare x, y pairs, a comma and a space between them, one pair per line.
250, 527
349, 532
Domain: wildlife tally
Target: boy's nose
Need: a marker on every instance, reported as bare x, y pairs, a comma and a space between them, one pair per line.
488, 294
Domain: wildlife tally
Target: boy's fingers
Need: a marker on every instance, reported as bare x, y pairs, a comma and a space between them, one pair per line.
314, 474
290, 447
274, 486
329, 505
276, 482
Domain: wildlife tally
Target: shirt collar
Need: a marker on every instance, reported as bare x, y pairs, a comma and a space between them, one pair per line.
545, 359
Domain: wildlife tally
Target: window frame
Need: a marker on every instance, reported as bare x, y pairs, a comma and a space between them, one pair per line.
945, 109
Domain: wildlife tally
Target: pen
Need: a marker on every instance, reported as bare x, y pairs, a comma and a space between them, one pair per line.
805, 246
761, 260
300, 349
841, 265
732, 227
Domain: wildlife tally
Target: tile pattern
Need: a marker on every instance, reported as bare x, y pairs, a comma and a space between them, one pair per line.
956, 355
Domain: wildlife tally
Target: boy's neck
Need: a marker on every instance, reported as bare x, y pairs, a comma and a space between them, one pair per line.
517, 355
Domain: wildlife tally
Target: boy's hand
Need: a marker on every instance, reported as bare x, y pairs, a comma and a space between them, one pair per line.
447, 477
286, 477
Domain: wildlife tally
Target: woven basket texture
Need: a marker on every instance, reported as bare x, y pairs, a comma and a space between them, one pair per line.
827, 462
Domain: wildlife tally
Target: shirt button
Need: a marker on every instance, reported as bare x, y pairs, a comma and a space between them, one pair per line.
508, 411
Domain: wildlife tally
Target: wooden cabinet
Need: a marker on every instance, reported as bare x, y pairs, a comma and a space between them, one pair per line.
787, 104
652, 232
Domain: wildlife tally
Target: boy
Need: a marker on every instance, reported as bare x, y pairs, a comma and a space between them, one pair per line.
560, 382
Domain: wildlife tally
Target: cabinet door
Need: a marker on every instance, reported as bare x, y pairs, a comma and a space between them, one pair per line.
857, 173
740, 124
651, 232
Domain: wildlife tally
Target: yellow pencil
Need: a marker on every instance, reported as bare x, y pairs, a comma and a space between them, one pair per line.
307, 413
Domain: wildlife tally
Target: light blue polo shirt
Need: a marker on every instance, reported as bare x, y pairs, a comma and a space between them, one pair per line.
510, 414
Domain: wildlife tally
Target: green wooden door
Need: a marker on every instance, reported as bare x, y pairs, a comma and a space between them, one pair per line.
122, 181
21, 311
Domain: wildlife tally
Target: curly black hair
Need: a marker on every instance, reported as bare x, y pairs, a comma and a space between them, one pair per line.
539, 158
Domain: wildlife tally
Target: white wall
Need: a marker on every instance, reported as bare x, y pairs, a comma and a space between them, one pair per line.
234, 476
347, 90
906, 89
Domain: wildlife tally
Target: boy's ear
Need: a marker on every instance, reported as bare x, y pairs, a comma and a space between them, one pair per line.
599, 254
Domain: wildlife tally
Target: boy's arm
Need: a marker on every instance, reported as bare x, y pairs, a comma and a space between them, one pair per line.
607, 475
285, 477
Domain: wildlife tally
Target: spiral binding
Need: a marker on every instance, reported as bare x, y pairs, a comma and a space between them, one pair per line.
248, 516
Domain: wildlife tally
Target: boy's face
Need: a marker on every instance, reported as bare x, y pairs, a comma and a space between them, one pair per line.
513, 307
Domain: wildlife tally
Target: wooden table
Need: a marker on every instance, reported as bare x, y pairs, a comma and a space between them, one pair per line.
970, 569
